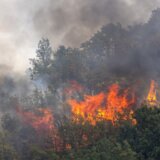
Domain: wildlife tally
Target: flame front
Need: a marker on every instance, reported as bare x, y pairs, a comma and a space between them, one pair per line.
152, 97
103, 106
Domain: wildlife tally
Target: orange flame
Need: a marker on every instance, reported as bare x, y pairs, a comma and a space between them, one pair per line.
103, 106
152, 97
73, 87
43, 122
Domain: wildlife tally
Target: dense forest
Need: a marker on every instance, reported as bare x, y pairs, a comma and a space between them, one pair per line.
89, 103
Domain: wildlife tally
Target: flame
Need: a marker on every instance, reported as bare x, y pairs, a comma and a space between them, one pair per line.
152, 97
73, 87
43, 122
103, 106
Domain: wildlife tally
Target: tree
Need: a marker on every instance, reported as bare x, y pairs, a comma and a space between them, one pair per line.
7, 151
144, 136
42, 63
105, 149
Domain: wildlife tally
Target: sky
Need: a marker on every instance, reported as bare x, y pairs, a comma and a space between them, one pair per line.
64, 22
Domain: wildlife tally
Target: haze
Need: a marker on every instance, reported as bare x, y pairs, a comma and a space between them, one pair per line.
23, 23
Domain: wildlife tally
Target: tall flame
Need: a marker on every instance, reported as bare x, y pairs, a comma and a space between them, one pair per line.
103, 106
152, 97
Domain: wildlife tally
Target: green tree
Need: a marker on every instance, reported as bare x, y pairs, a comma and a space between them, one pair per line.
105, 149
144, 136
42, 62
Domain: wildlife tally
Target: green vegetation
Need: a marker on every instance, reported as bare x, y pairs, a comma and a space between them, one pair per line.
112, 55
104, 141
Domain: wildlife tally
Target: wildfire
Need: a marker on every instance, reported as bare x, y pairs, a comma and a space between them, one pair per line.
42, 120
103, 106
152, 97
73, 87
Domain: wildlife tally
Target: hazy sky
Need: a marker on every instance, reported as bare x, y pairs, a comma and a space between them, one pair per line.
64, 22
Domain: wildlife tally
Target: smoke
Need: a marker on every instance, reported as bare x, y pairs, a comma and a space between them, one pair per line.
68, 23
73, 22
12, 85
23, 23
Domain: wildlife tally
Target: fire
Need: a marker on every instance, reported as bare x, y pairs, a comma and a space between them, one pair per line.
73, 87
87, 109
117, 103
152, 97
103, 106
42, 120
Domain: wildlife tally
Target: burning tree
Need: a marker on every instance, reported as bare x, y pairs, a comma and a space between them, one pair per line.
90, 104
152, 94
103, 106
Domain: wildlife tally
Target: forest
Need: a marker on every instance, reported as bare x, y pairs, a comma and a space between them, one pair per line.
99, 101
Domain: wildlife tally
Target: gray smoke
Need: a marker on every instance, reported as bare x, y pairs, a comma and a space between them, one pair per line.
72, 22
23, 23
12, 84
69, 23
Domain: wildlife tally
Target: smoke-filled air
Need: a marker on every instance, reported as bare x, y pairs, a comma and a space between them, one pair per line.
80, 80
